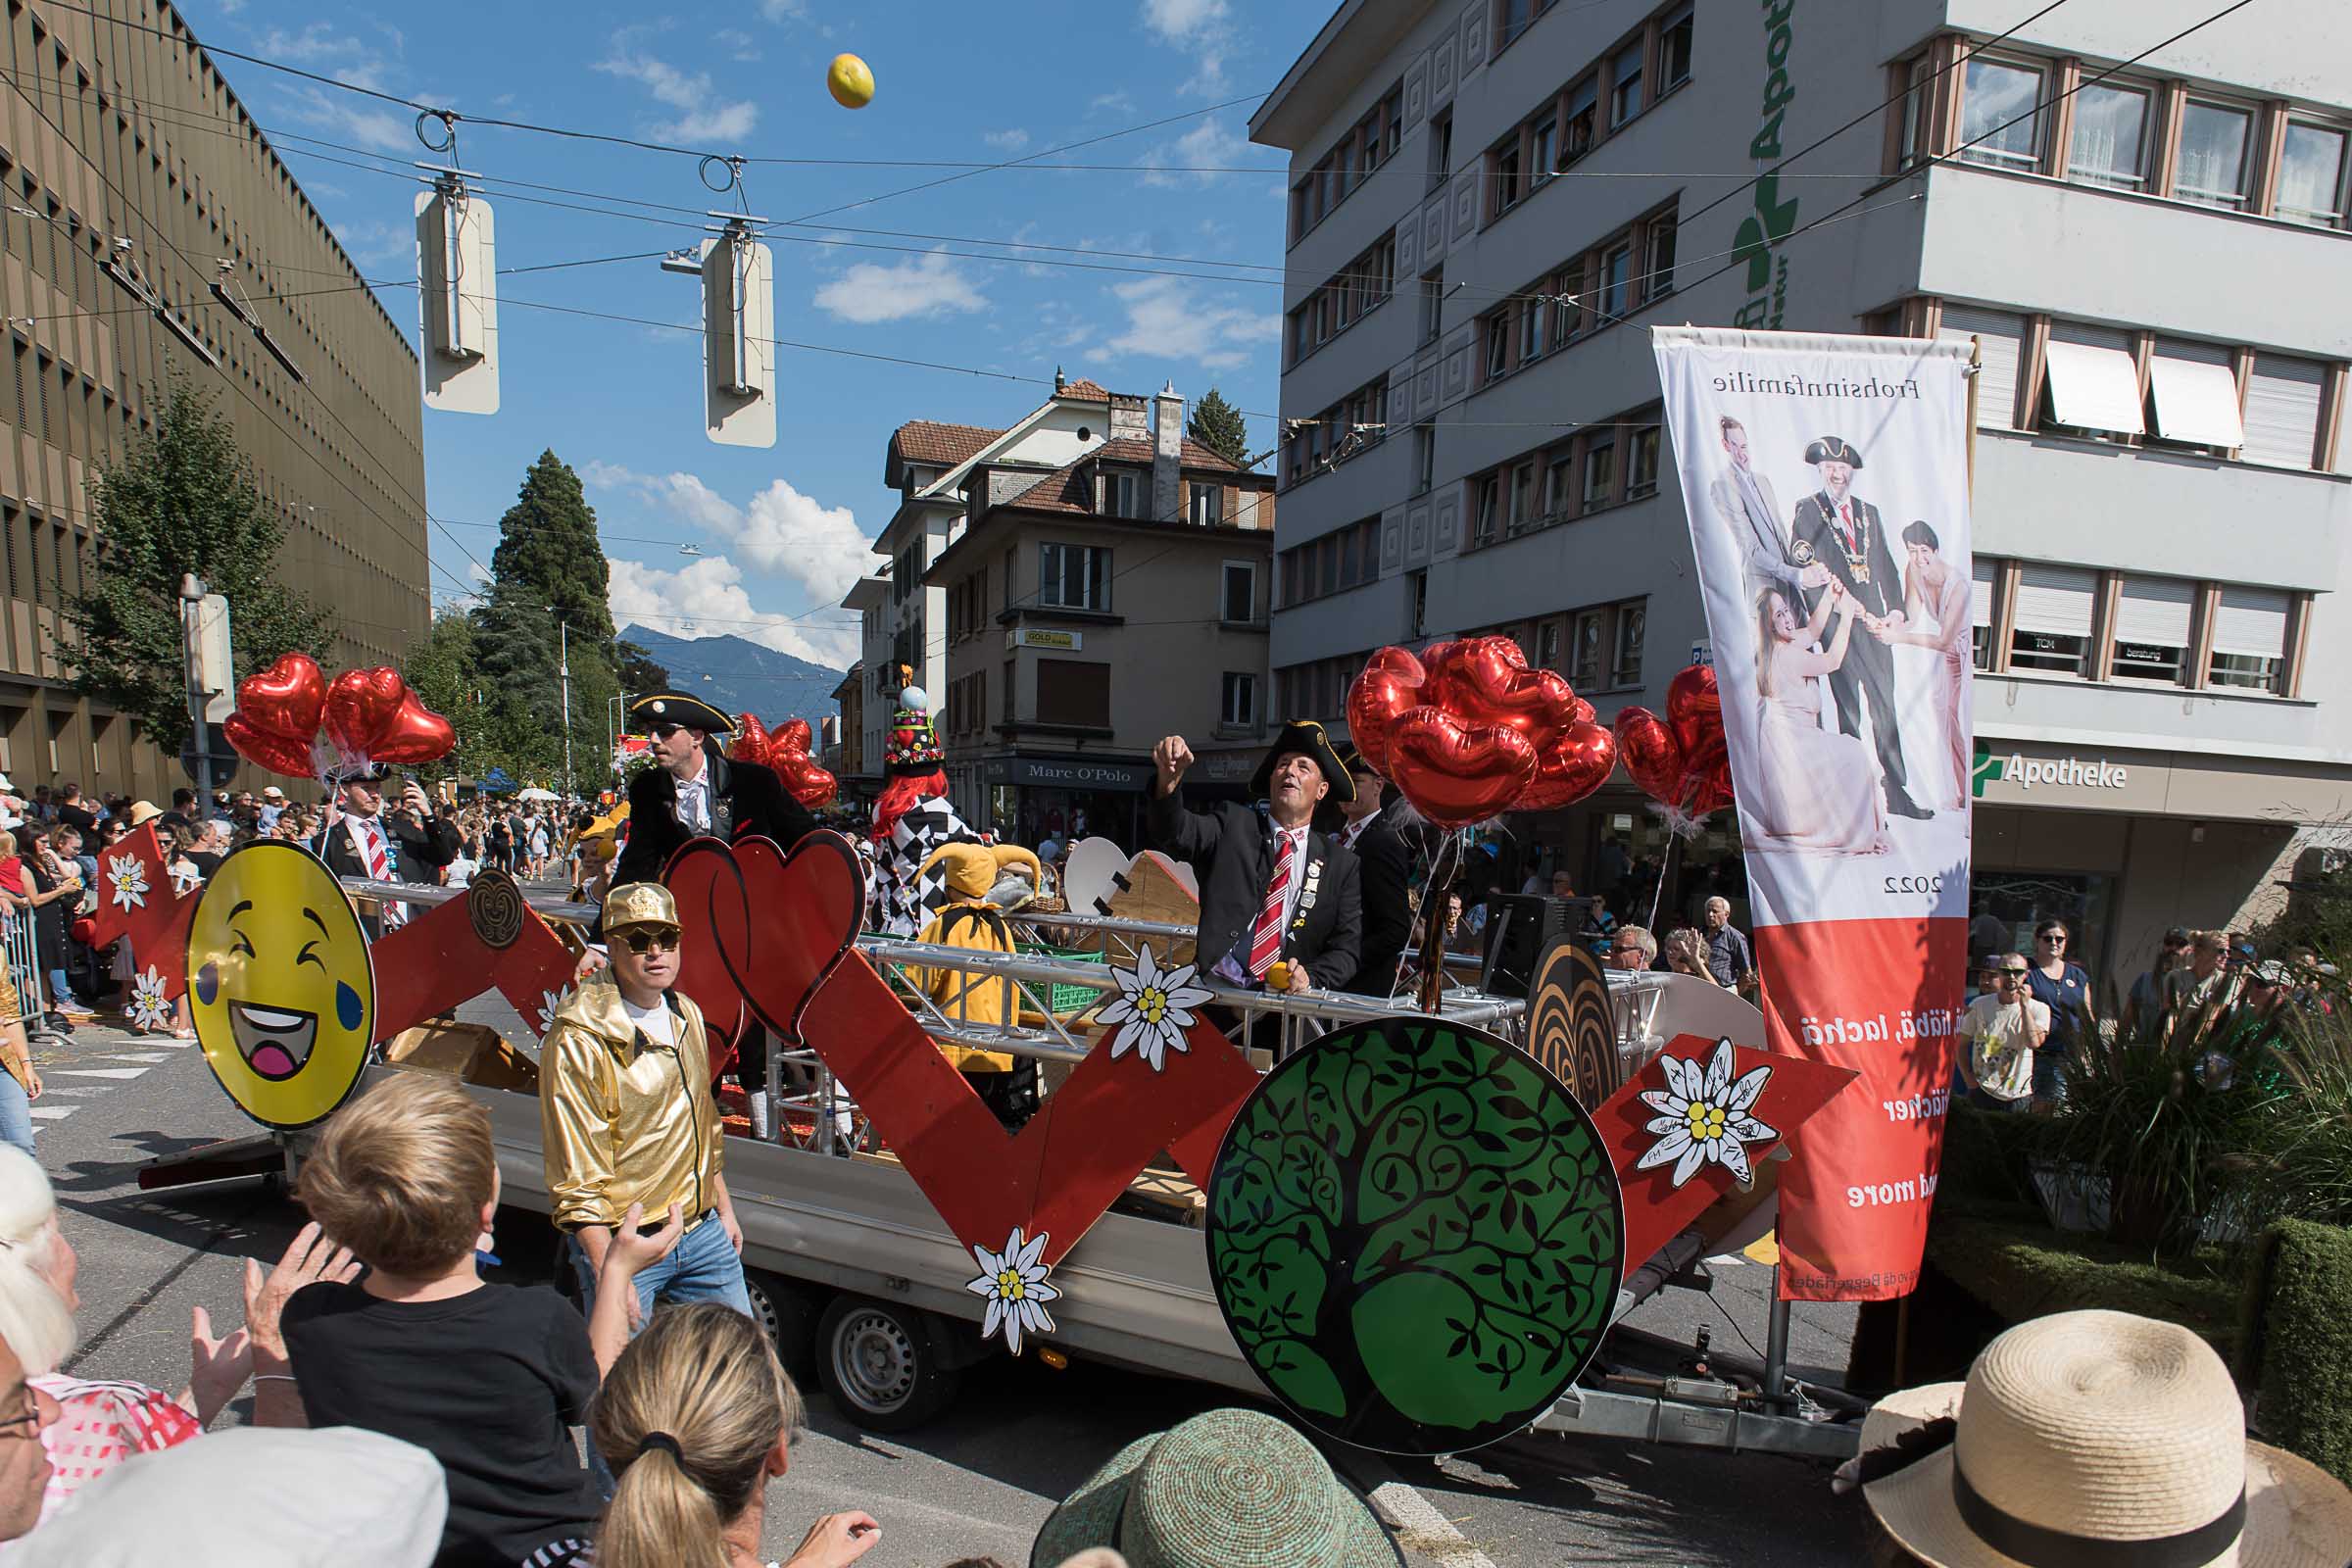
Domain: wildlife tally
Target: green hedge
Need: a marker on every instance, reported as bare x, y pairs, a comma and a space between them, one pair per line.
2021, 1269
2298, 1341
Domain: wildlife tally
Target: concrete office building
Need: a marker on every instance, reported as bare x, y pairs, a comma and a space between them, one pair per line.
1068, 590
152, 232
1491, 201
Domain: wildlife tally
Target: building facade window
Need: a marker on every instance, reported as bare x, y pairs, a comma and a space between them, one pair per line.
1237, 593
1122, 493
1674, 49
1600, 473
1074, 576
1486, 507
2052, 619
2151, 633
1616, 271
1238, 704
1625, 85
2311, 175
2249, 640
2109, 143
1632, 623
2000, 114
1425, 457
2213, 141
1641, 464
1207, 504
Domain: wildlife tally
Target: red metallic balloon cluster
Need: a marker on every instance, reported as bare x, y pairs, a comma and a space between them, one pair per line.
1467, 731
291, 720
1680, 760
786, 751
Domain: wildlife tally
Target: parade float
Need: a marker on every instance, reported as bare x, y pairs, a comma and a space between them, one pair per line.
1413, 1221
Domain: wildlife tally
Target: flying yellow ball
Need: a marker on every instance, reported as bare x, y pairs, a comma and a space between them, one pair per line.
851, 82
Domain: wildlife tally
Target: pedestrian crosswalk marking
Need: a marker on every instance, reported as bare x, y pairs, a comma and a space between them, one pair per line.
53, 1112
147, 1057
97, 1072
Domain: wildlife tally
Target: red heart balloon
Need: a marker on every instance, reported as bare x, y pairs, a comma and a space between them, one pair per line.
1457, 775
1389, 686
1575, 766
796, 736
1694, 708
359, 706
267, 748
785, 751
1485, 681
284, 699
1652, 754
414, 734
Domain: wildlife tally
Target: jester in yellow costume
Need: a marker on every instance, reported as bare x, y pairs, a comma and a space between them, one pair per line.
982, 881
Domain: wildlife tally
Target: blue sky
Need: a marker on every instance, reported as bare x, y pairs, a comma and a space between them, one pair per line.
783, 531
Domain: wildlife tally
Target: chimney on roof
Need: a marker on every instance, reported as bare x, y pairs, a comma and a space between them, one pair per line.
1060, 380
1167, 454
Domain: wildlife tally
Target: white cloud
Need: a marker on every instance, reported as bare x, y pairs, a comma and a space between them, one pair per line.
384, 249
706, 598
475, 572
784, 10
1182, 20
929, 285
1109, 101
780, 530
1173, 318
701, 116
739, 43
1202, 29
1011, 141
1215, 143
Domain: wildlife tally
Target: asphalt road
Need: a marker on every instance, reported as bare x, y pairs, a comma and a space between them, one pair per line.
981, 1478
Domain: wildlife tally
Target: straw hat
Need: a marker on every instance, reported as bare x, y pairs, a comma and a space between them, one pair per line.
1228, 1488
142, 812
2098, 1437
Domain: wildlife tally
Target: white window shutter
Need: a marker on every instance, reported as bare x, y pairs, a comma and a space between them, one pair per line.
2196, 394
1982, 573
2154, 610
2055, 600
2251, 622
2000, 340
2092, 382
2282, 411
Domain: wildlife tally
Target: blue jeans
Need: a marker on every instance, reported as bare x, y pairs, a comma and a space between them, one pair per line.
60, 992
16, 1112
702, 1267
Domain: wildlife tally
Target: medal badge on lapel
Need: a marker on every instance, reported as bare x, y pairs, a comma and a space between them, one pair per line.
1307, 894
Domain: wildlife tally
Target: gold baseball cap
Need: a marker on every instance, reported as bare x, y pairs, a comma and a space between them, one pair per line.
635, 903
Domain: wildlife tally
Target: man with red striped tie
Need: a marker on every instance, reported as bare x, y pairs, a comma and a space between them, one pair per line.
1273, 890
363, 840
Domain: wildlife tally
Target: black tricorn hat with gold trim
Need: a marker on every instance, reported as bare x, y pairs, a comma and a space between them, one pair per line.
1304, 737
676, 707
1834, 449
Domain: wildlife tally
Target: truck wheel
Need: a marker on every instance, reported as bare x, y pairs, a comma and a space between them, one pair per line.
877, 1361
787, 1315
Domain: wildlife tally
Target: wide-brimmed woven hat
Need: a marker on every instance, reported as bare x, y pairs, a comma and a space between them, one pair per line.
1228, 1488
2102, 1436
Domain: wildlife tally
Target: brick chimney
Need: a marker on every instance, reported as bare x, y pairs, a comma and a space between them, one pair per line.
1167, 455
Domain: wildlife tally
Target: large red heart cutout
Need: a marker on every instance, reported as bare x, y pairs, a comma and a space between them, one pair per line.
1456, 774
796, 965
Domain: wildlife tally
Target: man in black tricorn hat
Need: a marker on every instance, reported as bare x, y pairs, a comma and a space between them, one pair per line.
1272, 889
693, 788
1844, 534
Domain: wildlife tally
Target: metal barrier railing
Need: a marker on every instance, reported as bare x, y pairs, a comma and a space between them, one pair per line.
21, 938
1057, 1037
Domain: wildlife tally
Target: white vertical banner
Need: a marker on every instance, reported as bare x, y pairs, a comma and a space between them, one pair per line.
1826, 480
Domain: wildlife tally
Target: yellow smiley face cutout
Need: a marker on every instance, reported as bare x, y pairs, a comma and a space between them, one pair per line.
280, 985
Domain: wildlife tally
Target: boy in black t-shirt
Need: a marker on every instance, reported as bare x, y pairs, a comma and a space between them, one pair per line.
487, 1378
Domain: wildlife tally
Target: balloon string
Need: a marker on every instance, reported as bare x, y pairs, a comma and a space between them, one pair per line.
1665, 870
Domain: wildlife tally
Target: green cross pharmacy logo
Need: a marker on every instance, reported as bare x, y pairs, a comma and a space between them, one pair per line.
1988, 767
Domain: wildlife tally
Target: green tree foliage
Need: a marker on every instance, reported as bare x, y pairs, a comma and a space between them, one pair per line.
1218, 425
546, 603
638, 669
184, 500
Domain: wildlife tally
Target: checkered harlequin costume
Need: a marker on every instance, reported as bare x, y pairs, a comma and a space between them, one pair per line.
912, 821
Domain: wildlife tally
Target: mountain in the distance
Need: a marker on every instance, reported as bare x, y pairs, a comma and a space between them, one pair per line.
740, 676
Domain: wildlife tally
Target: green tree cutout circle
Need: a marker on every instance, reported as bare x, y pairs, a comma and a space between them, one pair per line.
1416, 1236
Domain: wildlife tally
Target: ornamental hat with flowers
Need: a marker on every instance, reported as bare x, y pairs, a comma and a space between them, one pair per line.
1228, 1488
2100, 1437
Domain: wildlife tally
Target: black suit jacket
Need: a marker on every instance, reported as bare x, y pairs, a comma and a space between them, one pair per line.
1233, 849
1384, 854
421, 851
1815, 522
745, 799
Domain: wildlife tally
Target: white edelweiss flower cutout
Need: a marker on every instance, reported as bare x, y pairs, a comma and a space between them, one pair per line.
1014, 1283
128, 874
149, 1008
1704, 1116
1153, 1010
544, 1015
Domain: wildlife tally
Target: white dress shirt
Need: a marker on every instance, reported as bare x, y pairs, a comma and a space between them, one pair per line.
694, 800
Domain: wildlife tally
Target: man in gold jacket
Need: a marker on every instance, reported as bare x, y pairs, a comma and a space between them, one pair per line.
627, 1114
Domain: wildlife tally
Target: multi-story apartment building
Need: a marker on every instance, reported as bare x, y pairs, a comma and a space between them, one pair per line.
1068, 590
1491, 200
151, 232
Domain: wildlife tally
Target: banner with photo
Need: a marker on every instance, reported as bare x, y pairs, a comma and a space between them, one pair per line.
1826, 480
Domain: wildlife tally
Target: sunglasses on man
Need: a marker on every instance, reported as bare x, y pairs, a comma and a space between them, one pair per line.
2011, 974
642, 942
